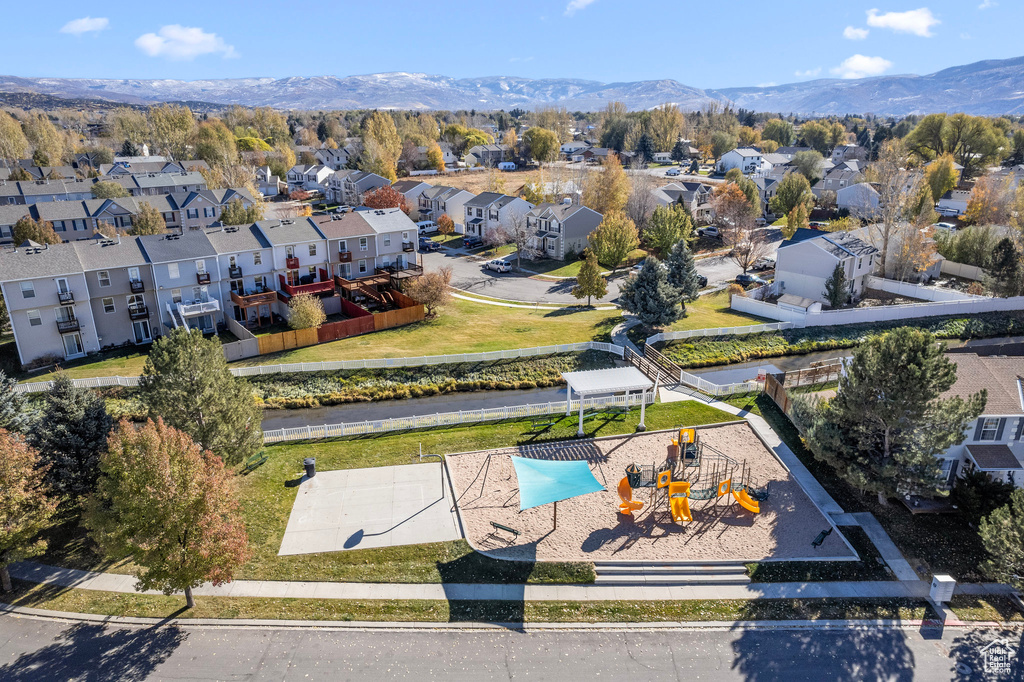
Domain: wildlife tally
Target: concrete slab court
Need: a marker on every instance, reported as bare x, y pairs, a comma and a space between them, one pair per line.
365, 508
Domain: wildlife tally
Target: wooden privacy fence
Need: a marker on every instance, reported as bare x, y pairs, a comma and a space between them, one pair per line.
813, 375
375, 363
332, 331
295, 338
450, 418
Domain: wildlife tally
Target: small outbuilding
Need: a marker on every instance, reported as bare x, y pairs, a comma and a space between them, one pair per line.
605, 382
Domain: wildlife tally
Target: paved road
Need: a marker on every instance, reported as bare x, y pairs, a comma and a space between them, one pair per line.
51, 650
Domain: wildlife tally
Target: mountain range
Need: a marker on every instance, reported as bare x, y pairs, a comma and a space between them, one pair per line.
990, 87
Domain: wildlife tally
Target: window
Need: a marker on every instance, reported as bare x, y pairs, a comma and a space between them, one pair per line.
201, 266
58, 226
405, 236
362, 266
860, 263
362, 244
28, 290
209, 212
312, 249
172, 270
289, 252
387, 240
231, 262
33, 318
133, 275
989, 427
257, 258
175, 295
108, 305
342, 246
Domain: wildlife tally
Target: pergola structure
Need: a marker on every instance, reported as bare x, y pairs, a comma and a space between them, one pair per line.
604, 382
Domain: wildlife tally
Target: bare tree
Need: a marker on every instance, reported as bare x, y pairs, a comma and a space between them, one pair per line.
898, 188
735, 220
641, 203
516, 232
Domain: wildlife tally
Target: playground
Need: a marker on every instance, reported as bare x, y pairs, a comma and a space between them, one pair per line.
725, 498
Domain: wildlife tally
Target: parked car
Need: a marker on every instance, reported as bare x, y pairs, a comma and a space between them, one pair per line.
702, 281
944, 227
673, 172
471, 241
766, 263
428, 244
760, 222
499, 265
947, 211
344, 208
709, 231
425, 226
746, 279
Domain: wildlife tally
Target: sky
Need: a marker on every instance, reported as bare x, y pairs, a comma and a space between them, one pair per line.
705, 44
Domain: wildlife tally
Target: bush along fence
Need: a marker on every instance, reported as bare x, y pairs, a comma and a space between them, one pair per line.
376, 363
452, 418
721, 331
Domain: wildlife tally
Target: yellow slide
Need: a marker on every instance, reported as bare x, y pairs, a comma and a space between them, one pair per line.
678, 502
746, 501
629, 505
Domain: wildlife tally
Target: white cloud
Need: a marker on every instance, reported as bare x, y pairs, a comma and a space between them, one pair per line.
183, 43
859, 66
986, 4
576, 5
85, 25
769, 84
851, 33
809, 73
916, 21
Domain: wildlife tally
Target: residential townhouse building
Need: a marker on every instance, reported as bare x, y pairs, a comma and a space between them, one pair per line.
747, 159
186, 276
152, 165
247, 289
120, 290
309, 178
486, 155
562, 228
45, 290
155, 184
411, 189
363, 242
299, 259
268, 184
994, 442
490, 211
349, 186
41, 172
441, 200
696, 196
837, 179
849, 152
806, 260
335, 159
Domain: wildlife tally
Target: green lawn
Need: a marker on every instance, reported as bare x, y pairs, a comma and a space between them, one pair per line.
712, 310
158, 606
554, 268
268, 493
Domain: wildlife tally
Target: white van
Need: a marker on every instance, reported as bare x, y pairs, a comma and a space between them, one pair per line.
425, 226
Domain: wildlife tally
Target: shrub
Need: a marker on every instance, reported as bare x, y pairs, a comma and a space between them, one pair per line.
736, 290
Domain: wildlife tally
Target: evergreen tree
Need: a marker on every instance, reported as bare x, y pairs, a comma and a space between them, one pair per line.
680, 151
887, 423
590, 282
682, 272
129, 149
70, 436
1002, 534
186, 381
12, 405
649, 296
1005, 270
645, 148
837, 288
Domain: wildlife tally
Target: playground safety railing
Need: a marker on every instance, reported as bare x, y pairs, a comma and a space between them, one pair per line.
449, 418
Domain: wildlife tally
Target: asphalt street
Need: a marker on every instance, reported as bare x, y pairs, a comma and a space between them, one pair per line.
32, 649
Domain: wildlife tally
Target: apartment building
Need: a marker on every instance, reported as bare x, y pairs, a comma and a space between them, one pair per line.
150, 184
349, 186
437, 201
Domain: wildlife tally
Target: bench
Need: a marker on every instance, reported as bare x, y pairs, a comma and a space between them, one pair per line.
498, 526
816, 543
254, 462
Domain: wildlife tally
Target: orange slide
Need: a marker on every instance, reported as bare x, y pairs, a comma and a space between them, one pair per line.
746, 501
629, 505
678, 502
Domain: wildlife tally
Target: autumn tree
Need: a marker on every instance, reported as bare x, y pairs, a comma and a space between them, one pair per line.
386, 196
13, 143
542, 144
809, 164
886, 424
748, 137
129, 125
306, 311
973, 141
172, 127
668, 225
432, 289
38, 231
215, 144
236, 213
722, 142
108, 189
898, 189
649, 296
778, 130
445, 225
590, 282
25, 509
168, 506
148, 220
614, 239
50, 144
435, 157
941, 175
607, 190
797, 219
187, 382
737, 226
794, 189
381, 145
665, 124
991, 201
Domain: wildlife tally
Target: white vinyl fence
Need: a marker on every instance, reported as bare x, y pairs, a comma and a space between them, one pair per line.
718, 390
378, 363
450, 418
721, 331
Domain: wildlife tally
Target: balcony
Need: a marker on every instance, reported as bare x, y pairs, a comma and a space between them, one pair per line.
137, 286
253, 297
235, 272
193, 308
203, 277
66, 297
292, 263
324, 287
68, 325
408, 246
138, 311
344, 256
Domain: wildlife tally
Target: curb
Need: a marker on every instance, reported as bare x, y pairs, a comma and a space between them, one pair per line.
221, 623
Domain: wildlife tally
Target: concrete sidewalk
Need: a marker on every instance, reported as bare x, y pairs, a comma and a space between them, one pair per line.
109, 582
886, 547
619, 337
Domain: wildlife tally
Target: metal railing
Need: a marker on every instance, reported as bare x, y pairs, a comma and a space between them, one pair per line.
450, 418
375, 363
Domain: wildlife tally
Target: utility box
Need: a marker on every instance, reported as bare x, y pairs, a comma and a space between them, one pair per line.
942, 588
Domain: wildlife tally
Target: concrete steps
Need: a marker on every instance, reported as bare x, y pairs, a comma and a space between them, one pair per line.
669, 573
